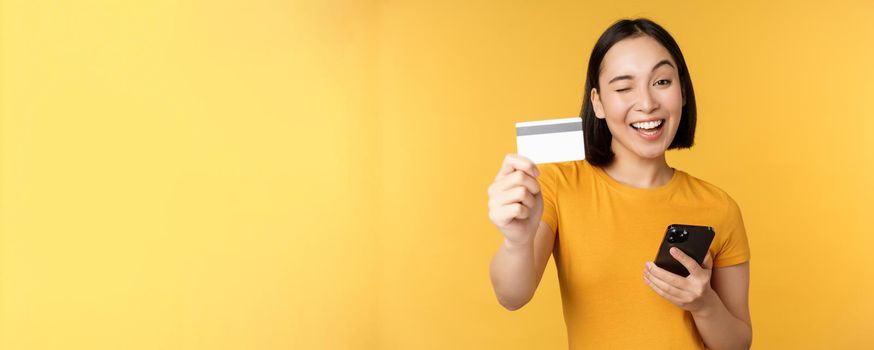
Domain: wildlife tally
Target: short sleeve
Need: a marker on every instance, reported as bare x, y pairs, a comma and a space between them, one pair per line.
547, 181
734, 248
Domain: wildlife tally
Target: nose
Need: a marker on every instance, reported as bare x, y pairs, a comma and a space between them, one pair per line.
646, 104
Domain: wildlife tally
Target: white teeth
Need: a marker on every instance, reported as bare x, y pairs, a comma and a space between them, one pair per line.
647, 125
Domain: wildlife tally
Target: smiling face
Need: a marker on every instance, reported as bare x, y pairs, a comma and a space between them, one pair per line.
640, 97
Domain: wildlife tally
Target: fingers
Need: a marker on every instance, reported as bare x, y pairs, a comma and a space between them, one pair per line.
514, 203
514, 162
658, 290
661, 287
665, 275
515, 191
515, 179
690, 264
511, 196
505, 214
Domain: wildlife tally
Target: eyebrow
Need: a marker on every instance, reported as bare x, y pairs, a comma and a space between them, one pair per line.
628, 77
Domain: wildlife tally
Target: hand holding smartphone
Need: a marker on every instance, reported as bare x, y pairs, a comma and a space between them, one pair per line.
692, 240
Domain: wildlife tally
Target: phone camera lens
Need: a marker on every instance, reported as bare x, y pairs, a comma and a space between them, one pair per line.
677, 235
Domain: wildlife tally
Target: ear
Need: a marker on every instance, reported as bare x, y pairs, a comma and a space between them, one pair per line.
596, 104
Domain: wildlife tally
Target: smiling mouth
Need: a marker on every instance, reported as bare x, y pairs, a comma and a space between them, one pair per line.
650, 125
650, 130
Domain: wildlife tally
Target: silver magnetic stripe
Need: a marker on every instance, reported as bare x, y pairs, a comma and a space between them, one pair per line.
549, 129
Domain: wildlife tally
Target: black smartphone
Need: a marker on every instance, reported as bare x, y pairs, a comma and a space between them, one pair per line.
692, 240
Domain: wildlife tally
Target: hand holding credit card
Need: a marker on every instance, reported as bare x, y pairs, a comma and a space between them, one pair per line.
551, 140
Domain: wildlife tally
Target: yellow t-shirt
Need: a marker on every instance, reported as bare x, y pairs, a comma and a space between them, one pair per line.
606, 231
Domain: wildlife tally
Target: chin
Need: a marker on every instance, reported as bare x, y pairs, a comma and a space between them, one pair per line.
651, 153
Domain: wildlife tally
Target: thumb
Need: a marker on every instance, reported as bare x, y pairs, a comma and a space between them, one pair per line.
708, 261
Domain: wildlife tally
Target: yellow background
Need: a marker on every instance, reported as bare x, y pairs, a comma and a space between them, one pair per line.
312, 174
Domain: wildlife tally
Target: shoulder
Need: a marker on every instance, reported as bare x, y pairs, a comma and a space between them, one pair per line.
565, 172
726, 213
709, 192
730, 245
706, 187
721, 208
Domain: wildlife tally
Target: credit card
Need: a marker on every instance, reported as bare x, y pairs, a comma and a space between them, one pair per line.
551, 140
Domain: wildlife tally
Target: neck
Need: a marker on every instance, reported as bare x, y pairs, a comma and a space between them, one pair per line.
630, 169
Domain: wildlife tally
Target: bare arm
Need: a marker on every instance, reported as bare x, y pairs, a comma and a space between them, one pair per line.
515, 207
725, 323
517, 268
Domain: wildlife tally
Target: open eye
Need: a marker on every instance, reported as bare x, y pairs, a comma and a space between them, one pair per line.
662, 82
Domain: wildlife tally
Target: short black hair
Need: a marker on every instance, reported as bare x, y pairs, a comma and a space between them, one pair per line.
596, 134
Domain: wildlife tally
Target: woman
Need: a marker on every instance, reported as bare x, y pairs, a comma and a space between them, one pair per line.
603, 218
